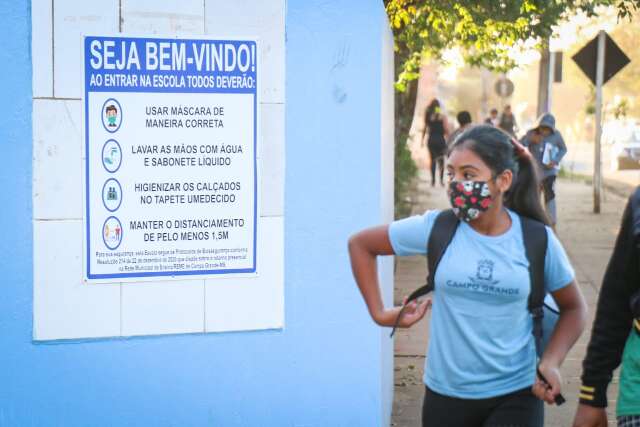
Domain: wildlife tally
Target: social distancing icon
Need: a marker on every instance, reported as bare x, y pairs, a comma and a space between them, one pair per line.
112, 233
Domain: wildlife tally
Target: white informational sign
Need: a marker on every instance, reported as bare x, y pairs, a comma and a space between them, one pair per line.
170, 167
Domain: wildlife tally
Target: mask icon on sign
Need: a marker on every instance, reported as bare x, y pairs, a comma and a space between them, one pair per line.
112, 115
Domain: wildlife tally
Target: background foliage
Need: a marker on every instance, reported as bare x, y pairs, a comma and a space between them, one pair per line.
486, 32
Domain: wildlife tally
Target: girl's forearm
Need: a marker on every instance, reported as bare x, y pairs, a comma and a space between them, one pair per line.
364, 247
365, 273
570, 325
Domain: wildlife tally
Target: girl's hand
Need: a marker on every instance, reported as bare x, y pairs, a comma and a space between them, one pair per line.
413, 313
544, 391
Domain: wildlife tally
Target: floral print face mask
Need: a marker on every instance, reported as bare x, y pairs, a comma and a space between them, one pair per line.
469, 198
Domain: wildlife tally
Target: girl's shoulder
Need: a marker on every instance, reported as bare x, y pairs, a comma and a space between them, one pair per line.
409, 235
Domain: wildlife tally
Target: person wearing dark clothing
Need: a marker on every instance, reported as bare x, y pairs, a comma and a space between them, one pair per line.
508, 121
616, 329
493, 118
464, 120
546, 144
437, 131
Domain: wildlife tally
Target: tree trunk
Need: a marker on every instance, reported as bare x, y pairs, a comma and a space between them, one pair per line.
405, 105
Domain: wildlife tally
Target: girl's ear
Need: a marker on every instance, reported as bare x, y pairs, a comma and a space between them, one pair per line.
504, 180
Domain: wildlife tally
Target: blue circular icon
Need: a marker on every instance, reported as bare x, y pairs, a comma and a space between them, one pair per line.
112, 233
112, 194
111, 155
111, 115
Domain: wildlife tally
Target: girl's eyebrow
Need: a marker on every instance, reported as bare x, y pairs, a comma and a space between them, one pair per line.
449, 167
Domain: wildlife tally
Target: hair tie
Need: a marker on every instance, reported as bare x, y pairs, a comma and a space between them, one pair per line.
520, 150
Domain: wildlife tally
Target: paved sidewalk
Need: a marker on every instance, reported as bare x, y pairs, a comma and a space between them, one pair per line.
587, 238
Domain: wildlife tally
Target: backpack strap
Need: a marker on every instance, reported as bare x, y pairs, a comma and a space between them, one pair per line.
534, 236
442, 232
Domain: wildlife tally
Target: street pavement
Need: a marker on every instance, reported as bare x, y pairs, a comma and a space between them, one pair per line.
588, 239
580, 160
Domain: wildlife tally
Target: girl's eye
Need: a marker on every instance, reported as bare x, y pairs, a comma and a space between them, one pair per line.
468, 176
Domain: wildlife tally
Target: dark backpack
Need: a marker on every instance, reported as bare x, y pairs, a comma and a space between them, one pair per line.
534, 235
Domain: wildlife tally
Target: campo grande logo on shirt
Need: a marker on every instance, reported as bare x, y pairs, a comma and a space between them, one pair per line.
484, 282
484, 274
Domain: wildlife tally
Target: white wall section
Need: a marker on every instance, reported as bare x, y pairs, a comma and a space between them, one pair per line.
265, 19
65, 307
387, 169
71, 20
42, 48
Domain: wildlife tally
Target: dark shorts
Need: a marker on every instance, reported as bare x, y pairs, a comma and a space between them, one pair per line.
629, 421
518, 409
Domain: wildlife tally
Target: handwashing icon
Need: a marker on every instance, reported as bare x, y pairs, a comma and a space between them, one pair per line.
112, 157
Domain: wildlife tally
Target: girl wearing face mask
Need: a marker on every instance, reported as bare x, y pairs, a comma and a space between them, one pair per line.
480, 367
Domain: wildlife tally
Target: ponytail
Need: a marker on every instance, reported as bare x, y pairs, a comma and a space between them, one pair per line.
524, 195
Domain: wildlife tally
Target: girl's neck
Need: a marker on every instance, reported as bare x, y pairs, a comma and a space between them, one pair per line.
494, 222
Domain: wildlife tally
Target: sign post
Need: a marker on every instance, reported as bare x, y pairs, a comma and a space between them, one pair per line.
170, 157
597, 169
600, 60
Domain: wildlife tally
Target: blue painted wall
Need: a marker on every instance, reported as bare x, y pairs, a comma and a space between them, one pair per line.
324, 369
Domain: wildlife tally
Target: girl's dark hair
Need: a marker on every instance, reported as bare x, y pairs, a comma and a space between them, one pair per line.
431, 109
495, 149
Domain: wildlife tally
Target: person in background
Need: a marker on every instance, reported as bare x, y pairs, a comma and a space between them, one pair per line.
508, 121
616, 329
437, 130
547, 146
464, 120
493, 118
